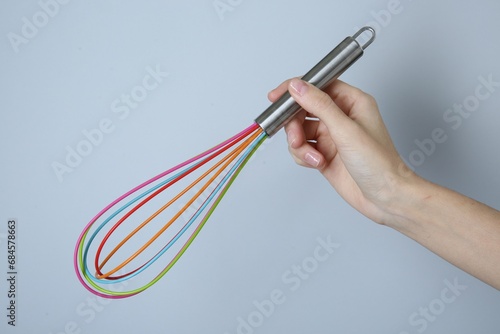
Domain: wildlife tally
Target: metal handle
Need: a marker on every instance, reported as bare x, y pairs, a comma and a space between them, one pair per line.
326, 71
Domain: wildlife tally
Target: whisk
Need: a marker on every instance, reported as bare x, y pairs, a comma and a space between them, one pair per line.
177, 220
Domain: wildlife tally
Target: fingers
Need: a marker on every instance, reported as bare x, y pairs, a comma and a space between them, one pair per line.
319, 104
348, 118
305, 143
302, 136
295, 133
299, 131
276, 93
303, 152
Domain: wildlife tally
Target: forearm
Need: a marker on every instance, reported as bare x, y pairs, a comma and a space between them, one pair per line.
461, 230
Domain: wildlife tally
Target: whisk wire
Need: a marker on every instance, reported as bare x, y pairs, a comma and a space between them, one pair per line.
244, 151
225, 162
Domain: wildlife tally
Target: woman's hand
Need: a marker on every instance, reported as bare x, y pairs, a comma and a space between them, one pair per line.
347, 142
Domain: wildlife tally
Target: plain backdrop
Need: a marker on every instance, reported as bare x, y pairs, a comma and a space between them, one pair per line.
64, 69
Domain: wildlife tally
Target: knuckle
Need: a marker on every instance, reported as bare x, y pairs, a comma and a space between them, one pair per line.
370, 99
357, 97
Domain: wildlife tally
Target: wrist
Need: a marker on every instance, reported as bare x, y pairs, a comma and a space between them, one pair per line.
409, 193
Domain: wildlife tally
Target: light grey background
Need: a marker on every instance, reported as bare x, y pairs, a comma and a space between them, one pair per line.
63, 80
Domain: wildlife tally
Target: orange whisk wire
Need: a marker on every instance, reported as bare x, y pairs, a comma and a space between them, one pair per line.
243, 146
225, 162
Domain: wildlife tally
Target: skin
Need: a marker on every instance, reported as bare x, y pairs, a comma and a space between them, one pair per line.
349, 144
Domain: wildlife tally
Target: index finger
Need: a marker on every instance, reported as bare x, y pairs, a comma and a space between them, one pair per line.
276, 93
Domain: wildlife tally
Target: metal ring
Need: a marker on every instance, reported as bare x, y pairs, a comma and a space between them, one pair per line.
362, 30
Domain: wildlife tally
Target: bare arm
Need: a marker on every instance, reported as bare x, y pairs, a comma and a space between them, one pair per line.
351, 147
461, 230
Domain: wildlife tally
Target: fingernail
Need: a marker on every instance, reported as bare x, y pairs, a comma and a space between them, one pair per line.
312, 159
298, 86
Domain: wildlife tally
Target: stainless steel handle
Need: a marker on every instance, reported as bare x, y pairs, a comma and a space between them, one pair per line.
326, 71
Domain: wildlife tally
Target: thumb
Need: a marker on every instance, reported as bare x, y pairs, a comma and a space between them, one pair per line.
321, 105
